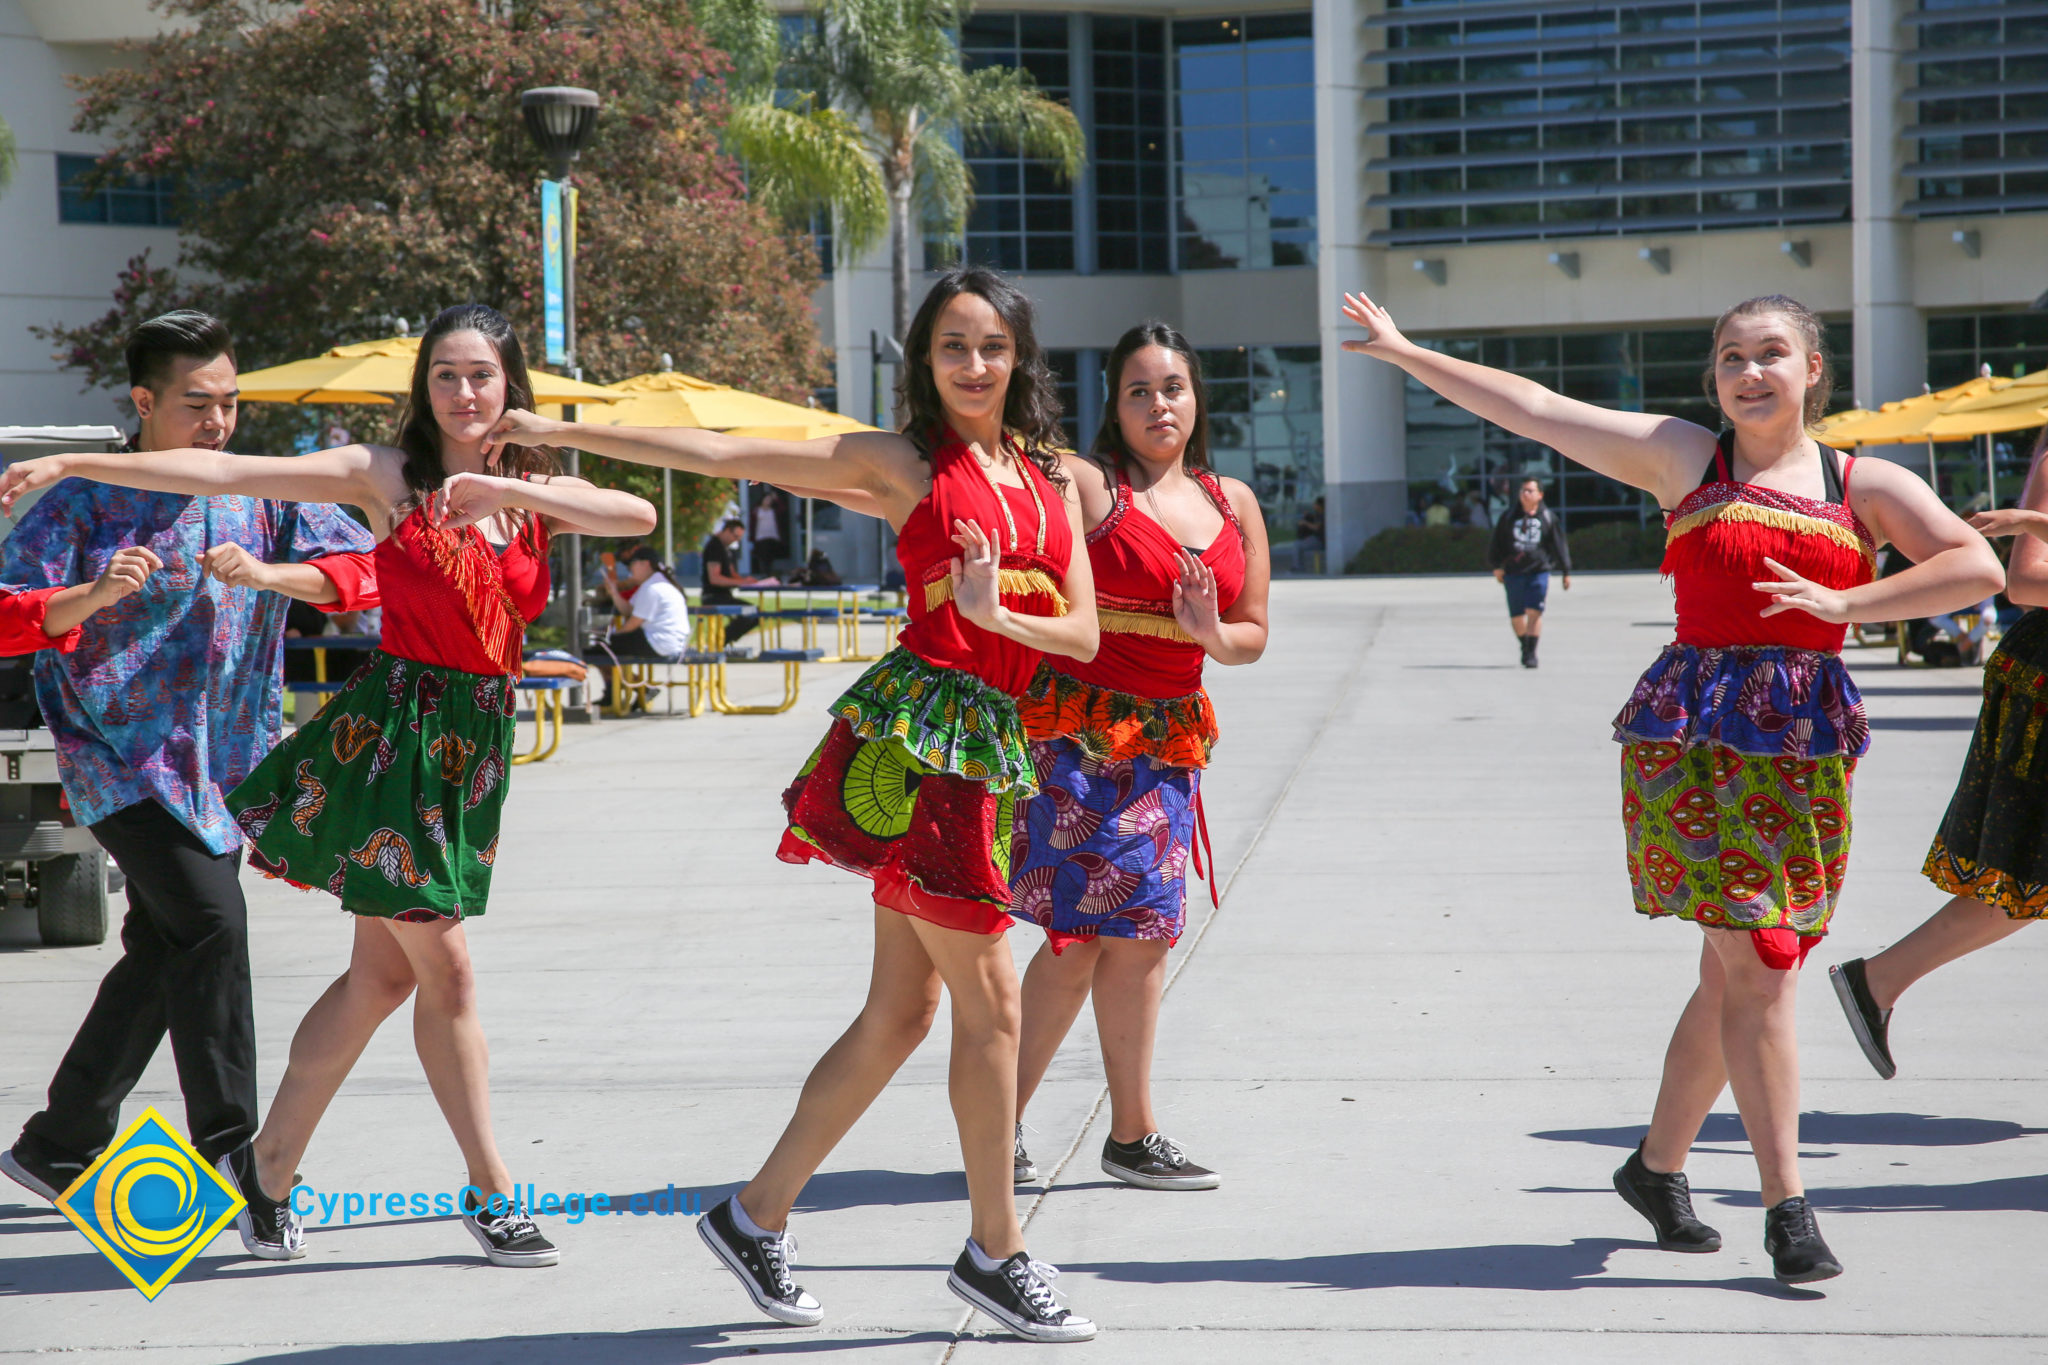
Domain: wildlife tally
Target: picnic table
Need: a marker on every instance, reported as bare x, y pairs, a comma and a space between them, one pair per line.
549, 694
847, 613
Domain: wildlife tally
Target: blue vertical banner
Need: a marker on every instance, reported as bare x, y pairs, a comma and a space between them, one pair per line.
552, 248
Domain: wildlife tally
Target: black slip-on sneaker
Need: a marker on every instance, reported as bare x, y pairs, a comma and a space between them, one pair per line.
1666, 1200
1154, 1163
1871, 1025
762, 1265
1798, 1253
1018, 1294
271, 1231
33, 1166
511, 1239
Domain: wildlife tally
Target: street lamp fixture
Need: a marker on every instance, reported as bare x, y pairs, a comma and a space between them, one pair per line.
562, 120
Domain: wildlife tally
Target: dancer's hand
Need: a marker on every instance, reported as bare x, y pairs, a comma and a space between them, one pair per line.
2010, 521
126, 572
467, 499
1383, 338
1790, 591
25, 476
236, 567
1195, 605
518, 427
977, 591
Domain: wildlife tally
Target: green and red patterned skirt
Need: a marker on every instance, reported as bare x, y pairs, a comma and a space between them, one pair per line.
1993, 842
390, 797
914, 787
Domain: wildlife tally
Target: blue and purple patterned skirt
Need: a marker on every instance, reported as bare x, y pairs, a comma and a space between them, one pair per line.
1102, 851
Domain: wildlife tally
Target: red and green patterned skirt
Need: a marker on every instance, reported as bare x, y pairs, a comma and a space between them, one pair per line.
914, 787
389, 799
1740, 841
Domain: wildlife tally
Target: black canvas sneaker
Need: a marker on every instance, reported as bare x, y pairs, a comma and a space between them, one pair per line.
1870, 1024
1666, 1200
1018, 1294
1798, 1254
762, 1265
1154, 1163
33, 1166
271, 1231
1025, 1170
510, 1238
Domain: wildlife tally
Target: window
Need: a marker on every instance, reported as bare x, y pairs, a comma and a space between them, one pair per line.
1983, 121
135, 201
1130, 144
1469, 464
1245, 141
1266, 424
1023, 213
1959, 345
1611, 118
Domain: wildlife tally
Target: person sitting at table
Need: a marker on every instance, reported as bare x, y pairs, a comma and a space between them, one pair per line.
654, 616
722, 575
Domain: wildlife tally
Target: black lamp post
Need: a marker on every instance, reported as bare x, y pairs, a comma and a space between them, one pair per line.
562, 120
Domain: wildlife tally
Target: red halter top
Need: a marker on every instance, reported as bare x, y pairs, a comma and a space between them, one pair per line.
453, 601
1029, 525
1144, 651
1716, 541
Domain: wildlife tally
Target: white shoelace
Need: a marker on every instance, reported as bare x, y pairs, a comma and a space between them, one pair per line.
1162, 1148
1035, 1284
781, 1255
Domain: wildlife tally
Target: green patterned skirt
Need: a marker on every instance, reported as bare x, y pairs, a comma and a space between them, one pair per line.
914, 787
390, 797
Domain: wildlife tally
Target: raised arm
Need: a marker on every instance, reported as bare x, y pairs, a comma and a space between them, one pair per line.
1237, 636
353, 474
567, 503
880, 463
976, 595
1663, 456
2026, 577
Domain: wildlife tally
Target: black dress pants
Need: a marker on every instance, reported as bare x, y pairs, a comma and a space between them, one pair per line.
184, 969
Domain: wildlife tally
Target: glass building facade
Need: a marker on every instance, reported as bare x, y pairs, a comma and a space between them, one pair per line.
1023, 214
1539, 120
1982, 95
1244, 141
134, 201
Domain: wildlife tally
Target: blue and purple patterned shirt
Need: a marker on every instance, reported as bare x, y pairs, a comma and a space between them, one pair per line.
173, 693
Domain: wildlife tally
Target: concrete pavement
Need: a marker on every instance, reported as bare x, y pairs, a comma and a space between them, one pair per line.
1417, 1038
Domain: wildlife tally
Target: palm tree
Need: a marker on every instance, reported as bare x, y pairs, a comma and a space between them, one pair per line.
891, 71
6, 154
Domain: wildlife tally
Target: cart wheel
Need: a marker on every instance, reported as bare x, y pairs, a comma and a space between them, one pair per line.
71, 899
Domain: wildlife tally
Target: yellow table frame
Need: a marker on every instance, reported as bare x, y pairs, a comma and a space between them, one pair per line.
548, 710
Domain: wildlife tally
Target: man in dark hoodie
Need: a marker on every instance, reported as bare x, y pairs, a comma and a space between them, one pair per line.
1528, 544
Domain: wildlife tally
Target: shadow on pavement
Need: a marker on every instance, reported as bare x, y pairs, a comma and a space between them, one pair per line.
666, 1345
88, 1272
1824, 1129
2013, 1194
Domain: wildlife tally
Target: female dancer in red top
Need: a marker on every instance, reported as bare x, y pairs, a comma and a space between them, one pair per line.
1740, 741
1101, 852
390, 798
915, 783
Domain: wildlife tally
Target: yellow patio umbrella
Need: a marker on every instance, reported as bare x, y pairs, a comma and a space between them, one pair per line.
669, 399
2020, 412
1907, 419
2033, 386
378, 372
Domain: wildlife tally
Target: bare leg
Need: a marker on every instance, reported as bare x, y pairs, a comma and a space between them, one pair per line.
1520, 624
1760, 1042
981, 979
1957, 929
903, 998
1694, 1073
1128, 984
449, 1036
1055, 988
1534, 618
324, 1050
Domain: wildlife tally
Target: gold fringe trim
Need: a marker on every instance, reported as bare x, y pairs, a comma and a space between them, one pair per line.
1774, 517
1009, 583
1143, 623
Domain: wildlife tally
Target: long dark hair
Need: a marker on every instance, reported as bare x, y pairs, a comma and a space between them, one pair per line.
1109, 444
1031, 404
419, 435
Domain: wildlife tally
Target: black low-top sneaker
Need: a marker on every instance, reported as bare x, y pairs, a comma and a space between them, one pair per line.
1792, 1237
1154, 1163
762, 1265
1666, 1200
511, 1238
1870, 1024
271, 1230
1024, 1169
33, 1166
1018, 1294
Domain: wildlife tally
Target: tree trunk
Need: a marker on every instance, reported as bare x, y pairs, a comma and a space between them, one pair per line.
899, 180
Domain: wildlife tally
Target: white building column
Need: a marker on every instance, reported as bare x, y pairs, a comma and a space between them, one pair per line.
1891, 336
860, 306
1365, 441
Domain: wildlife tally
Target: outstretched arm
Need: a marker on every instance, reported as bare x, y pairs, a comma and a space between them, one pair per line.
1663, 456
878, 462
2026, 579
568, 504
351, 474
